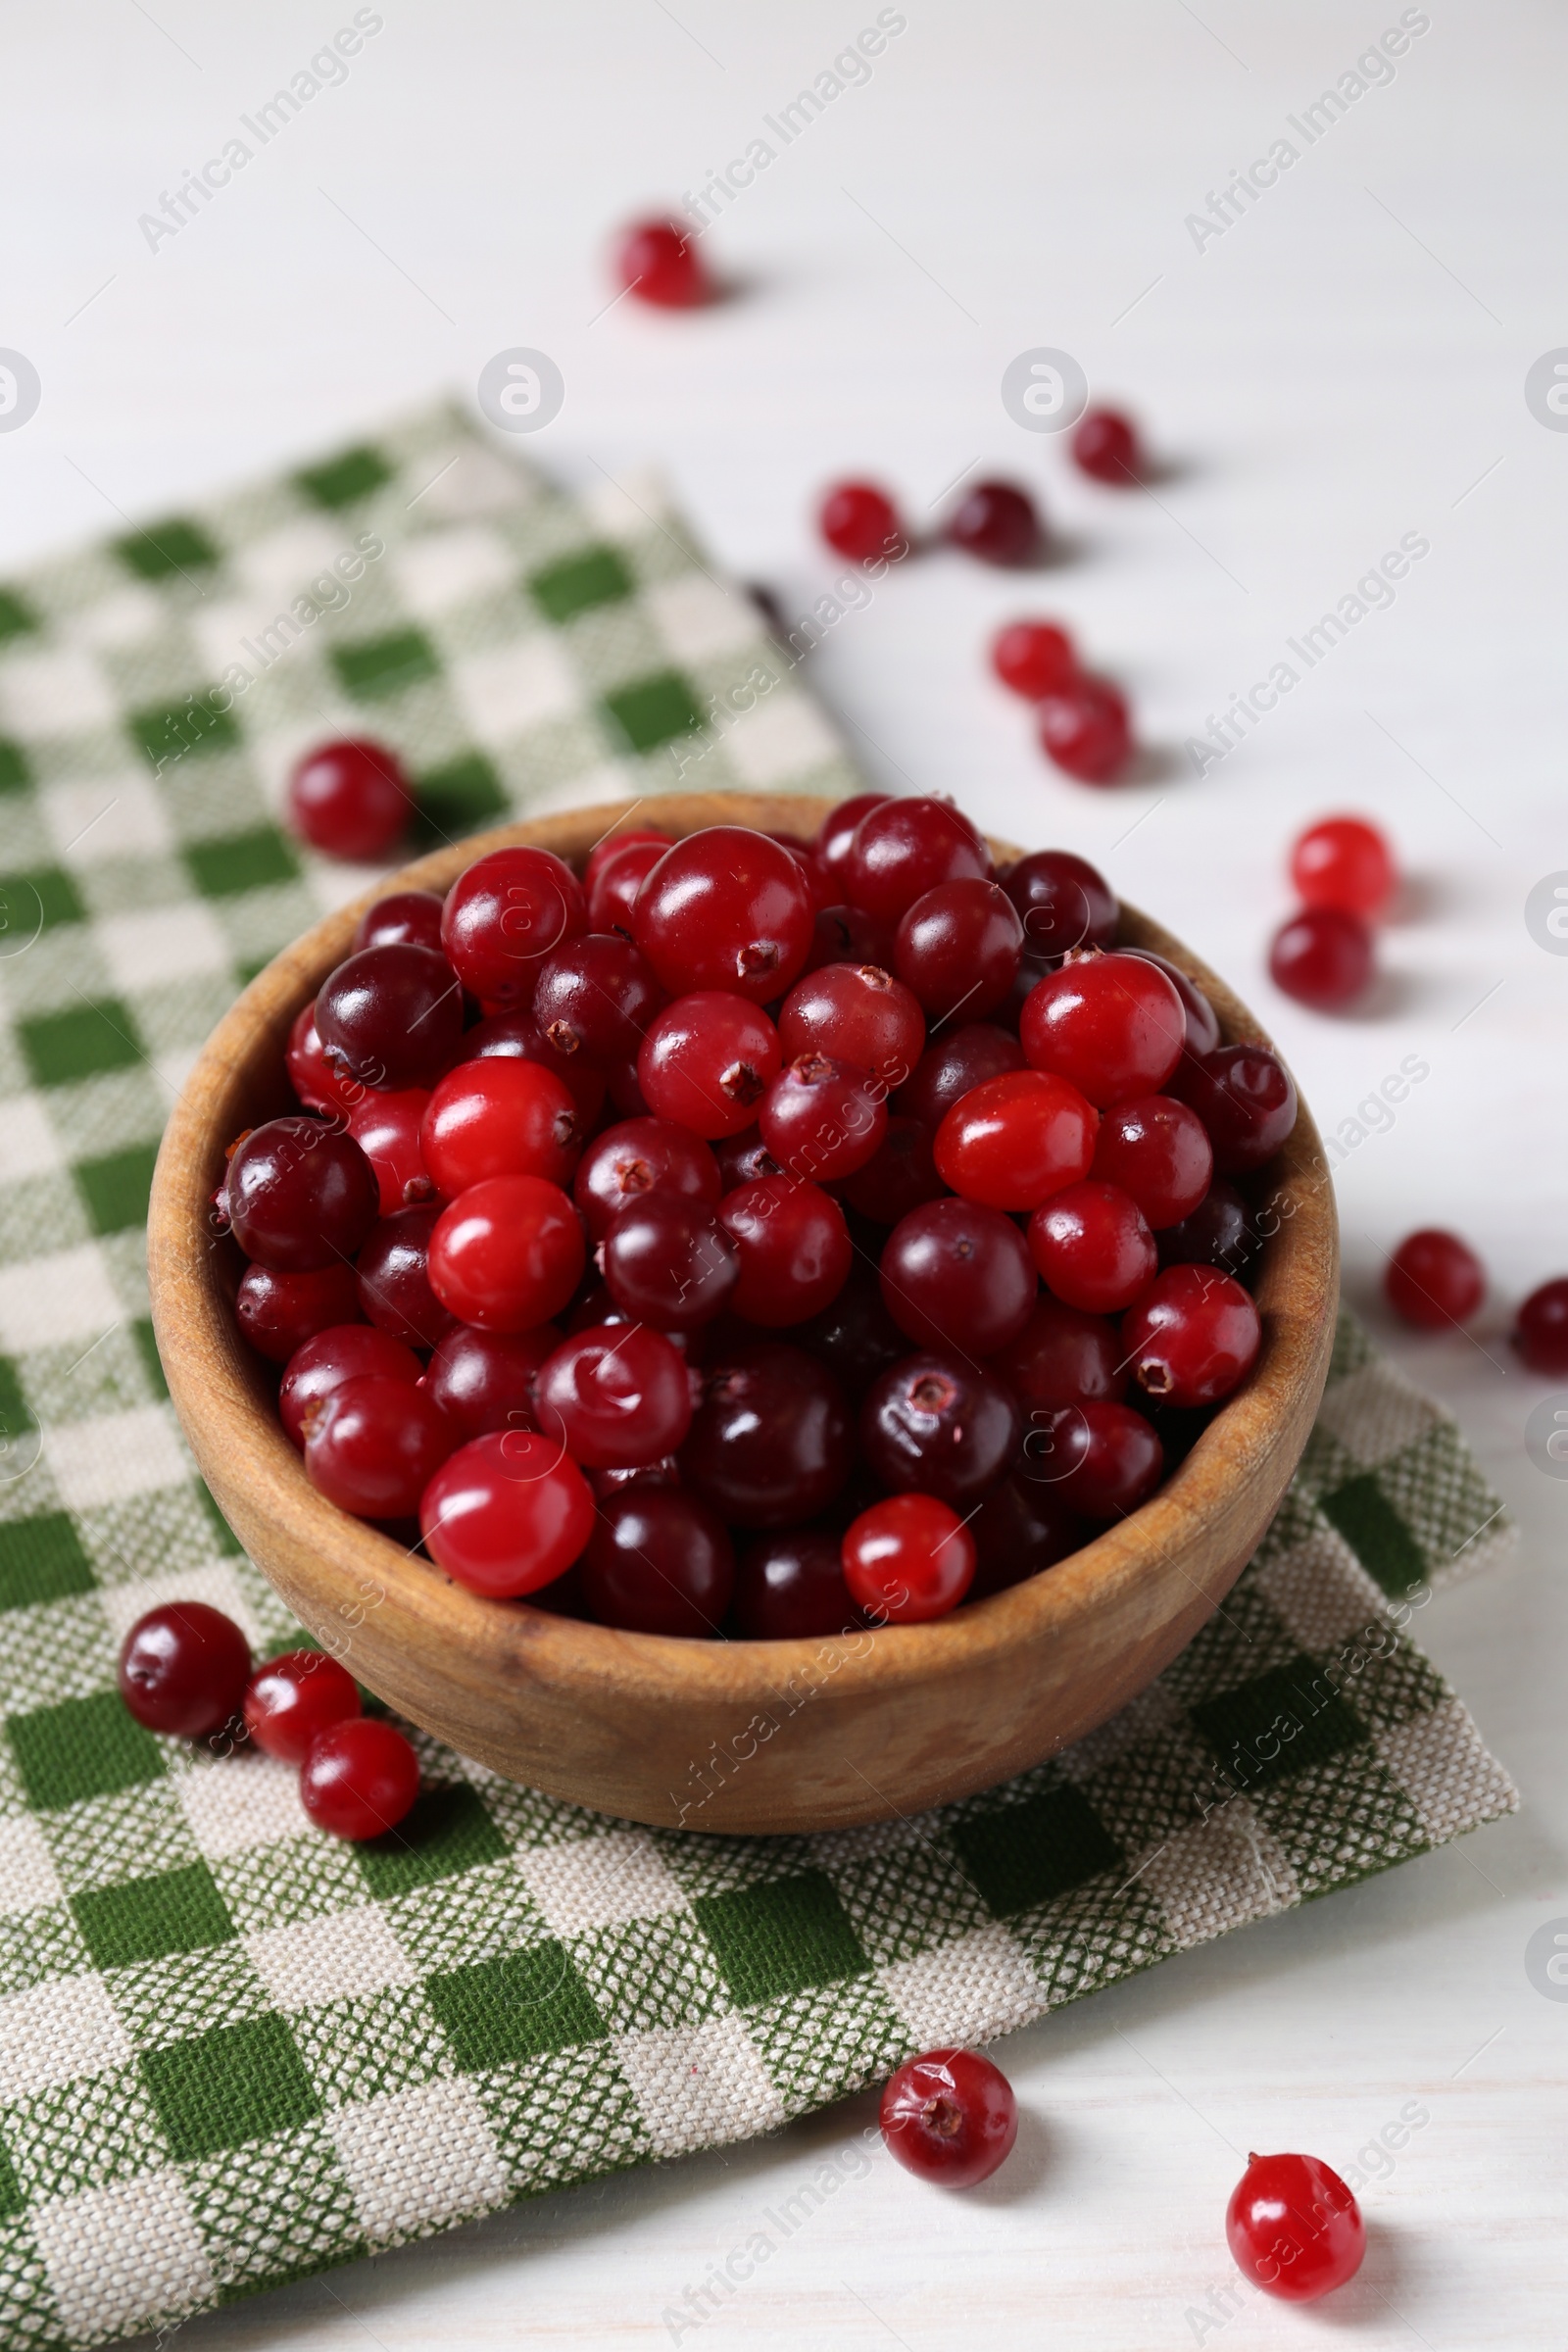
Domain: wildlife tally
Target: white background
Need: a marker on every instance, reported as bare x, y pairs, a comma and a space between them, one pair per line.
1344, 365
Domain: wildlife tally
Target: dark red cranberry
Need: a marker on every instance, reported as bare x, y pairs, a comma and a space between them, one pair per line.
823, 1118
790, 1587
1245, 1098
845, 935
351, 799
374, 1444
907, 1559
771, 1441
793, 1245
391, 1016
1064, 903
183, 1669
1034, 657
1203, 1021
504, 915
358, 1779
394, 1279
1541, 1332
1019, 1528
1104, 444
902, 1175
1220, 1232
513, 1036
638, 1156
1158, 1151
1086, 730
901, 849
1100, 1459
499, 1117
386, 1128
998, 522
1434, 1280
726, 908
279, 1312
484, 1380
405, 918
1111, 1024
1064, 1355
836, 832
658, 262
863, 523
1322, 958
612, 889
292, 1697
508, 1253
1093, 1247
707, 1061
855, 1337
950, 2117
1013, 1140
858, 1012
952, 1065
938, 1425
301, 1195
615, 1397
345, 1352
956, 1275
595, 995
958, 948
742, 1158
659, 1561
1192, 1336
668, 1261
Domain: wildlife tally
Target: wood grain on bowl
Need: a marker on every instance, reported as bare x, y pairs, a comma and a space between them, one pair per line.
737, 1736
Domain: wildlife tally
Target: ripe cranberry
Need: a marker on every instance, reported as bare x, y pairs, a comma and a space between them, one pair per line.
1034, 657
1192, 1336
790, 1587
1220, 1232
484, 1380
612, 889
1541, 1332
725, 909
1111, 1024
1203, 1021
1100, 1458
279, 1312
707, 1061
998, 522
1344, 861
595, 995
858, 1012
183, 1669
861, 523
901, 849
836, 833
937, 1425
1063, 1356
1064, 903
770, 1442
508, 1253
351, 799
391, 1016
405, 918
292, 1697
386, 1128
959, 946
907, 1559
742, 1158
374, 1445
323, 1363
793, 1245
508, 1513
658, 261
854, 1336
950, 2117
1245, 1098
1086, 730
1294, 2227
1104, 444
318, 1086
605, 853
959, 1275
1157, 1149
902, 1175
847, 934
1012, 1140
1434, 1280
499, 1117
659, 1562
823, 1118
952, 1065
1322, 958
504, 915
394, 1278
638, 1156
360, 1777
615, 1397
301, 1195
668, 1261
1094, 1248
1019, 1528
514, 1037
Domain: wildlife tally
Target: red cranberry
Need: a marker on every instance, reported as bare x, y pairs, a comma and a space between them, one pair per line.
658, 261
998, 522
1203, 1021
958, 948
638, 1156
1434, 1280
595, 995
1019, 1528
615, 1397
394, 1278
318, 1086
1034, 657
405, 918
1064, 1356
1086, 730
1157, 1149
499, 1117
301, 1195
846, 935
1344, 861
1012, 1140
605, 853
1064, 903
504, 915
183, 1669
901, 1176
1111, 1024
858, 1012
823, 1118
863, 523
507, 1514
508, 1253
279, 1312
612, 890
485, 1380
1541, 1332
360, 1777
855, 1337
907, 1559
386, 1128
351, 799
1294, 2227
1104, 444
1220, 1232
901, 849
292, 1697
958, 1275
1094, 1248
790, 1587
512, 1037
836, 833
1322, 958
1100, 1459
1245, 1098
659, 1562
952, 1065
323, 1363
374, 1445
936, 1425
391, 1016
793, 1247
1192, 1336
742, 1158
726, 908
706, 1062
770, 1442
950, 2117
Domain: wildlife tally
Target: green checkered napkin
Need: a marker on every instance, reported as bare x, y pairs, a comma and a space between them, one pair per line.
231, 2049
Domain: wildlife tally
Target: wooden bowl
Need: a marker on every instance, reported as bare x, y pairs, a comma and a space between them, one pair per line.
720, 1735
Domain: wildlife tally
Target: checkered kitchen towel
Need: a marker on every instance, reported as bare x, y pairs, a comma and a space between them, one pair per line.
233, 2050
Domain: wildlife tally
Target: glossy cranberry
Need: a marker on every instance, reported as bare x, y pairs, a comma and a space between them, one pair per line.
301, 1195
1192, 1336
344, 1351
957, 948
1220, 1232
836, 834
998, 522
1158, 1151
485, 1380
1434, 1280
855, 1337
1011, 1142
508, 1253
1100, 1459
374, 1445
1034, 657
1086, 730
1541, 1330
509, 1513
959, 1276
902, 1175
1294, 2227
292, 1697
772, 1442
1093, 1247
950, 2117
1203, 1021
351, 799
279, 1312
823, 1118
1245, 1097
726, 908
1019, 1528
901, 849
847, 934
514, 1037
605, 853
1063, 1356
183, 1669
858, 1012
668, 1261
1344, 861
706, 1062
595, 995
863, 523
386, 1128
790, 1587
952, 1067
659, 1561
391, 1016
793, 1245
742, 1158
658, 261
907, 1559
318, 1086
1322, 958
615, 1397
499, 1117
1104, 444
1064, 903
1111, 1024
405, 918
360, 1777
935, 1424
394, 1278
639, 1157
504, 915
612, 889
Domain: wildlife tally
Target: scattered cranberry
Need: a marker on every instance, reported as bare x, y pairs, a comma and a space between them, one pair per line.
1111, 1024
1246, 1098
1085, 729
955, 1274
1434, 1280
507, 1513
998, 522
901, 849
823, 1118
405, 918
1294, 2227
858, 1012
1344, 861
937, 1425
360, 1777
499, 1118
708, 1060
726, 908
394, 1278
863, 523
386, 1128
950, 2117
640, 1156
1064, 903
1322, 958
615, 1396
957, 948
907, 1559
1010, 1141
770, 1442
1093, 1247
668, 1261
790, 1587
183, 1669
1192, 1336
1541, 1333
659, 1562
373, 1444
953, 1066
1064, 1356
351, 799
793, 1245
1034, 657
1104, 445
323, 1362
292, 1697
503, 916
658, 261
486, 1380
1157, 1149
279, 1312
508, 1253
1100, 1458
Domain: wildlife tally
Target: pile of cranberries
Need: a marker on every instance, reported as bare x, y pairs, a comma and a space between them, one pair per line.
750, 1235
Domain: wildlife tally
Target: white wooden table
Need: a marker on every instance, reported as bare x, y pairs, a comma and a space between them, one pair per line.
1341, 366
